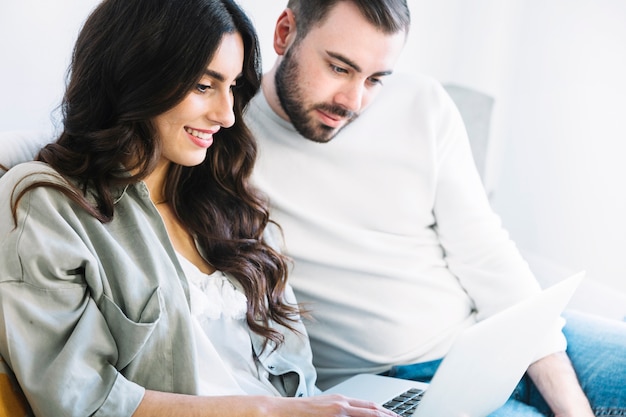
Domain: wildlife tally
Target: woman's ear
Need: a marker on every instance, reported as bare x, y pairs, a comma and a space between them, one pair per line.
284, 32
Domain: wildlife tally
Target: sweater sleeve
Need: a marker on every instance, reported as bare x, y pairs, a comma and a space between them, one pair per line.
477, 248
52, 333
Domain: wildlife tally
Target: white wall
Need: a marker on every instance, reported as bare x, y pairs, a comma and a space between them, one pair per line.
36, 40
557, 70
562, 189
555, 67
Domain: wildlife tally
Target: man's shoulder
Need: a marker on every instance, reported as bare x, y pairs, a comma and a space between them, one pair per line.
412, 82
412, 92
403, 86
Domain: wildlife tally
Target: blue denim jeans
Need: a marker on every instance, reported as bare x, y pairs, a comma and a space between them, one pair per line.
597, 349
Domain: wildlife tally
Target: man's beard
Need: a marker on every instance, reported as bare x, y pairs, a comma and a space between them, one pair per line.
287, 81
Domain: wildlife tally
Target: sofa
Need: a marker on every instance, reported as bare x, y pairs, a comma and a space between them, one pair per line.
475, 108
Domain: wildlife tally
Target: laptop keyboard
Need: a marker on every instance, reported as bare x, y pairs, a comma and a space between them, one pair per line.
405, 403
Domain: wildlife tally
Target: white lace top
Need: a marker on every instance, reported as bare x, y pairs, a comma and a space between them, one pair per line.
226, 361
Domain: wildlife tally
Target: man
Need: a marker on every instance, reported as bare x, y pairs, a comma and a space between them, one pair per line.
370, 175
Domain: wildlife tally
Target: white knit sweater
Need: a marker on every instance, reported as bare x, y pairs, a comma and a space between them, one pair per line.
395, 246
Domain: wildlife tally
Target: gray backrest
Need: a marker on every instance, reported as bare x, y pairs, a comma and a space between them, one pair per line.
476, 109
21, 146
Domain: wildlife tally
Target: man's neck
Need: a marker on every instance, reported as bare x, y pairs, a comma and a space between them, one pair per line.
268, 87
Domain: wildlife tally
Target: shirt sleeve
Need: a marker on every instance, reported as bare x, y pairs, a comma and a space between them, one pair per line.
52, 333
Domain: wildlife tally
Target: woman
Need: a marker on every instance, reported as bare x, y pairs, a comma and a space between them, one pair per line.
135, 276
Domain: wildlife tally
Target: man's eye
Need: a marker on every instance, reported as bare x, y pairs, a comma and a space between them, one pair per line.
338, 70
375, 81
203, 88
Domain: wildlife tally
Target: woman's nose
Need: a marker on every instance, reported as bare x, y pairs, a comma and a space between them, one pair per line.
223, 112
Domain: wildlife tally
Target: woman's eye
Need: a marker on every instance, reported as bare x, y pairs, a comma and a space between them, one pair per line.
203, 88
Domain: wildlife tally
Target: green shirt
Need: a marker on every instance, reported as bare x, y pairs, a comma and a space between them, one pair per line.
91, 314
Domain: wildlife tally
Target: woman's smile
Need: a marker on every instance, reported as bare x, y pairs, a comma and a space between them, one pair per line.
202, 138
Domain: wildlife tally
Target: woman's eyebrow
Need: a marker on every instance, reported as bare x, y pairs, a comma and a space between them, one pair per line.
218, 75
214, 74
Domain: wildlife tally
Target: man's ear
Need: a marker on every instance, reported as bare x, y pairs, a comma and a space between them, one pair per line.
284, 32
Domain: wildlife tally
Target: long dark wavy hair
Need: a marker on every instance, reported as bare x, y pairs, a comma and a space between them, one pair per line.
134, 60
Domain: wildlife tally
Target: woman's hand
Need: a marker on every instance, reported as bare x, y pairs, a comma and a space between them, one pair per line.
156, 404
328, 406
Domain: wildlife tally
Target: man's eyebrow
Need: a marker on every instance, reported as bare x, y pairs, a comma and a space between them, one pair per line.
353, 65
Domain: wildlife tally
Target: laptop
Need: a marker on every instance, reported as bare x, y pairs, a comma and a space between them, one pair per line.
483, 366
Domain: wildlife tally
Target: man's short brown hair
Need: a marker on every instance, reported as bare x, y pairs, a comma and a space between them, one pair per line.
390, 16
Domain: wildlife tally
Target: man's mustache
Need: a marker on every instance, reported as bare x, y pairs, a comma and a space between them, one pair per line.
337, 111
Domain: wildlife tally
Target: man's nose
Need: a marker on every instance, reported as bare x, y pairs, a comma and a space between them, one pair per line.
351, 97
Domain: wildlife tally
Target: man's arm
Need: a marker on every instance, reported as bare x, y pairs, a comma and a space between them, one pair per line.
556, 380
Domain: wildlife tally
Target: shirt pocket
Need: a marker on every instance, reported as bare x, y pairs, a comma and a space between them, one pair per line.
131, 336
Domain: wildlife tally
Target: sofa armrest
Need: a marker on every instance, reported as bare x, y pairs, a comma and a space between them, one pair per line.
592, 296
12, 400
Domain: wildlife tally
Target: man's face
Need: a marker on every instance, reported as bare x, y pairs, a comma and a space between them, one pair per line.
326, 79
